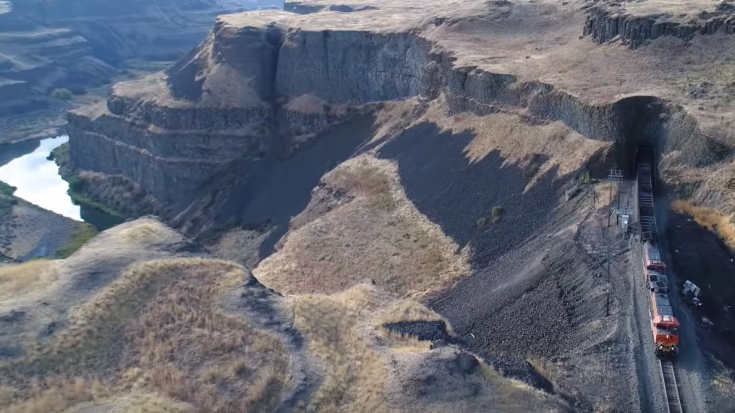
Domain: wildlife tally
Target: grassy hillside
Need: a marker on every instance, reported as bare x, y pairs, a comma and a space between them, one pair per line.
139, 321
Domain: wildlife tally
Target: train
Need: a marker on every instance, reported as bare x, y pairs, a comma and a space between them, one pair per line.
664, 325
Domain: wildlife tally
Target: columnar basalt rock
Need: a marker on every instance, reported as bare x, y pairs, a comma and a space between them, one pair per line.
608, 21
264, 84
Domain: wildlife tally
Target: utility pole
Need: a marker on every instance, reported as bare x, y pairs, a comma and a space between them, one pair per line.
616, 175
603, 253
607, 250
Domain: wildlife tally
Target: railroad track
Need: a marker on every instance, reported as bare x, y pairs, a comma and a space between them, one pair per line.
671, 389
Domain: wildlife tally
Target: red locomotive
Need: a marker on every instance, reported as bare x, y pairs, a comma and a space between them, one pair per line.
664, 325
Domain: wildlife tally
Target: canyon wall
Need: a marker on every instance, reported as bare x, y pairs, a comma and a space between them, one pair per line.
265, 82
608, 21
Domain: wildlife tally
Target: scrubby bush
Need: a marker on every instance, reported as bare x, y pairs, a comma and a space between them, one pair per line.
496, 214
584, 176
62, 94
82, 234
78, 90
6, 189
6, 195
77, 184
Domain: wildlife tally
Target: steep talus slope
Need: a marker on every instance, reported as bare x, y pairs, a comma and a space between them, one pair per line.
141, 319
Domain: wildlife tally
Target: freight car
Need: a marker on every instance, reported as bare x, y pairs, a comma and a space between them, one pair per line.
652, 257
664, 325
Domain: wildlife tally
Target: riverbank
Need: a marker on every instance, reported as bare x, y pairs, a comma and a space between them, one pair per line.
28, 231
112, 195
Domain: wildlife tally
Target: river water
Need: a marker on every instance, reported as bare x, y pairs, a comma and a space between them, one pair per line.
37, 178
26, 167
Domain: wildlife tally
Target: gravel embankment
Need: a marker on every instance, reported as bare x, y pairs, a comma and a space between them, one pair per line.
544, 302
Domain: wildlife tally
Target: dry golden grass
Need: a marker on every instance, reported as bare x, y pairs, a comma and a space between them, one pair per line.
136, 402
604, 193
17, 280
544, 367
53, 394
709, 218
354, 373
359, 359
510, 394
517, 142
722, 380
147, 232
392, 117
368, 182
379, 235
158, 329
406, 310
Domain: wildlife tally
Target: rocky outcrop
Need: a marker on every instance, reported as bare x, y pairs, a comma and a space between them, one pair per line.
265, 83
301, 7
608, 21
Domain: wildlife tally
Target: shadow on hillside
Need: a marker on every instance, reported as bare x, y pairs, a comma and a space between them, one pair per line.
454, 193
277, 190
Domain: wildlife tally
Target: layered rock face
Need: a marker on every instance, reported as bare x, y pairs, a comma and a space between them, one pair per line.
609, 20
49, 58
43, 57
264, 82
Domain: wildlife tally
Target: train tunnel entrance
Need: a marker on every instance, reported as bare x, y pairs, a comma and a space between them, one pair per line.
640, 122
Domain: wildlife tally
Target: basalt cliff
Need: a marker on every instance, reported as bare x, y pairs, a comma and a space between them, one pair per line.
265, 83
